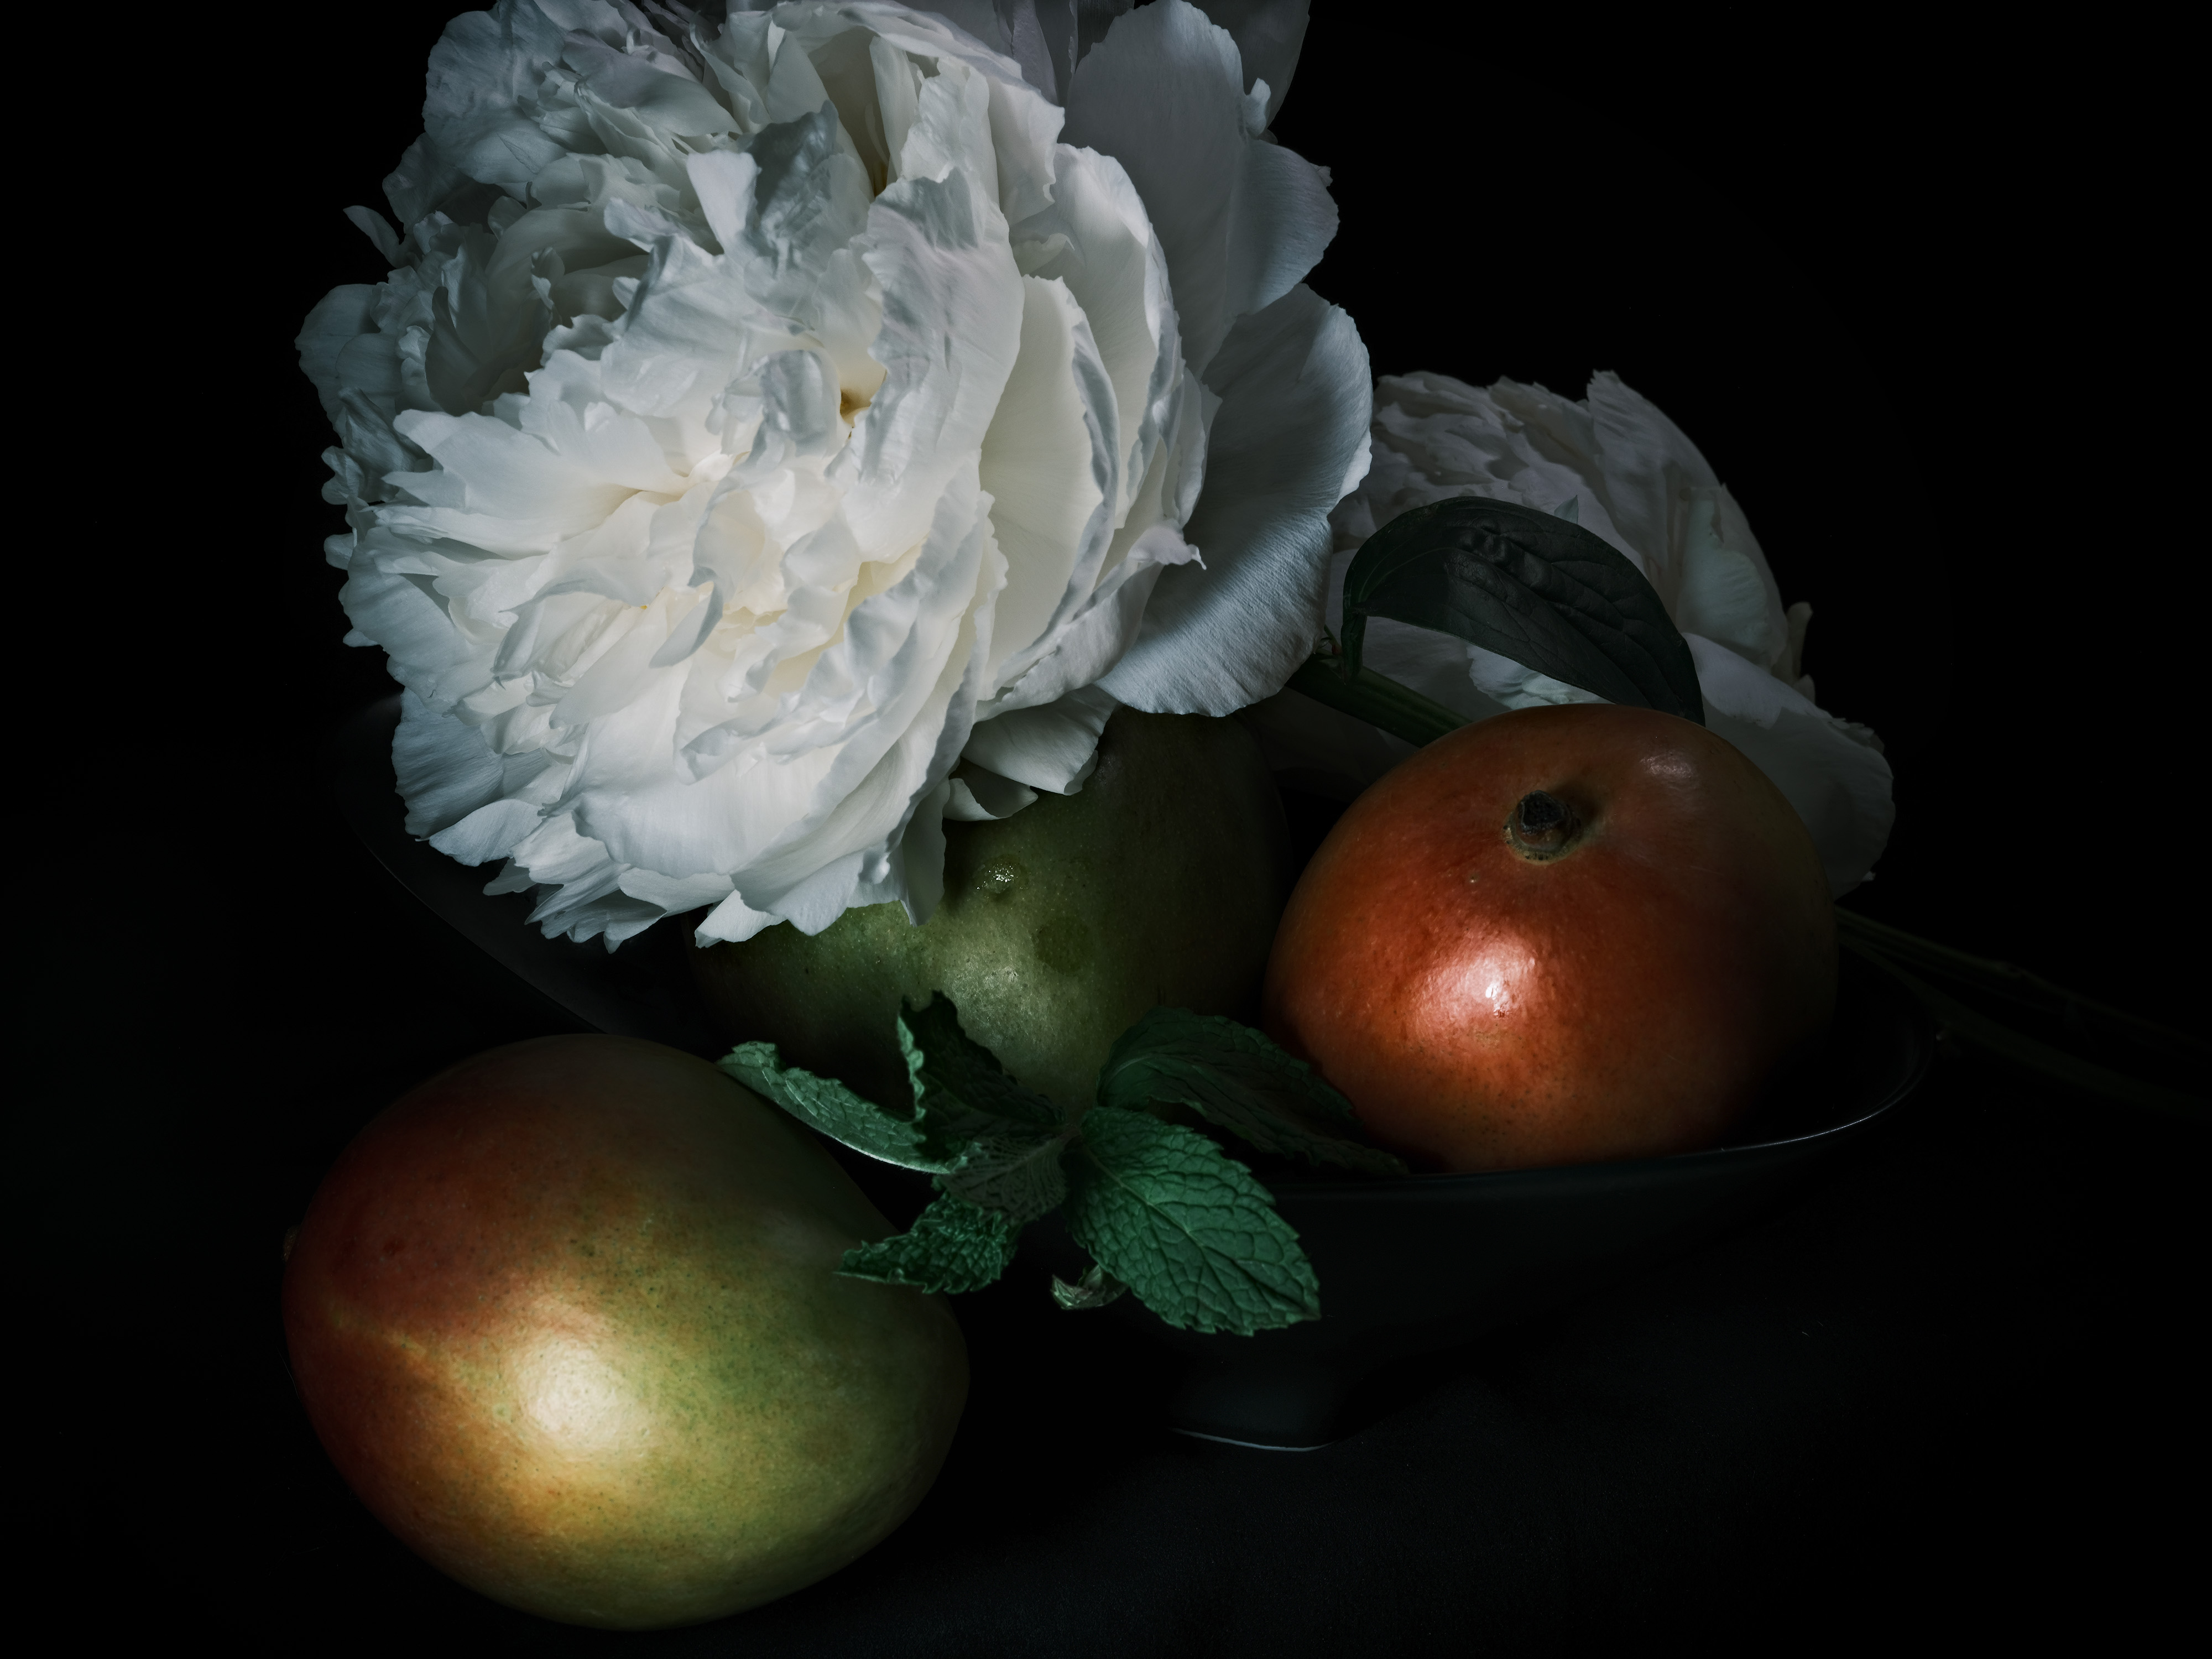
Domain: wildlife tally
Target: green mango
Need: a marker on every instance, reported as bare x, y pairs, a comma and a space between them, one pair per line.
568, 1318
1159, 882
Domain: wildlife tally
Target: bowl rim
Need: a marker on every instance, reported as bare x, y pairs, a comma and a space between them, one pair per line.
1920, 1034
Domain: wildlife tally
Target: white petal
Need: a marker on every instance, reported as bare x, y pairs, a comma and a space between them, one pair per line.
1095, 238
809, 199
724, 180
1052, 748
1282, 221
981, 21
951, 131
492, 831
662, 95
428, 656
1727, 592
953, 321
1295, 400
1050, 462
1164, 94
823, 895
445, 769
1647, 468
1614, 464
516, 491
1837, 779
849, 788
340, 317
685, 333
1023, 121
485, 70
1101, 634
982, 795
1511, 685
1840, 786
794, 89
672, 894
1269, 35
733, 920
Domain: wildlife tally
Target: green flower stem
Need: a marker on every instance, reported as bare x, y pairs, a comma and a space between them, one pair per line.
2014, 984
1376, 698
1405, 712
2024, 1053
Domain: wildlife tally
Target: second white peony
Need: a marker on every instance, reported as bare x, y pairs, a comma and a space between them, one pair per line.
1612, 462
759, 420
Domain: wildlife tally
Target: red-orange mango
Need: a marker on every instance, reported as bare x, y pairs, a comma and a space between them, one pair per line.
1557, 936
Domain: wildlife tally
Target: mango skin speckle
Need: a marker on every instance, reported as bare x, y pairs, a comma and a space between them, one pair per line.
567, 1318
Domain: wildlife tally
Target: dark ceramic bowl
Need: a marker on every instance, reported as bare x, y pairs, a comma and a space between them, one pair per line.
1407, 1267
1431, 1262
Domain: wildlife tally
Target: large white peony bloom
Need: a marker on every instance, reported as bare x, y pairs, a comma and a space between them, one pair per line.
1618, 466
759, 418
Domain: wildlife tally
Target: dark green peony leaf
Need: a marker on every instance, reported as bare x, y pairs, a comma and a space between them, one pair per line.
953, 1246
1186, 1227
1234, 1076
1529, 586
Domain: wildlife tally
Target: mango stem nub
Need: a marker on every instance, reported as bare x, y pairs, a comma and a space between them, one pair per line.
1542, 825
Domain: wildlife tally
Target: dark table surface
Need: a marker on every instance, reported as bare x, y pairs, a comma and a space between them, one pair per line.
1951, 1390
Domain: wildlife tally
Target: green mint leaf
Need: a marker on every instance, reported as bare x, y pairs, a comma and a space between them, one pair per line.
1528, 584
1017, 1174
825, 1103
960, 1089
1185, 1226
952, 1247
1236, 1077
1094, 1289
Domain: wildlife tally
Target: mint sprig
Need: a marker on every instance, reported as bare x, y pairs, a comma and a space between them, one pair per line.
952, 1246
1164, 1211
825, 1103
959, 1083
1236, 1077
1020, 1176
1186, 1227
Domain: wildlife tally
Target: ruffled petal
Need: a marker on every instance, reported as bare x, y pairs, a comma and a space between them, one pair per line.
1052, 748
1290, 441
1241, 219
1050, 461
952, 330
1832, 772
478, 120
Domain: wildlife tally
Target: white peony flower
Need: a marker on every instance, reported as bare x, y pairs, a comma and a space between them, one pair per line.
759, 418
1618, 466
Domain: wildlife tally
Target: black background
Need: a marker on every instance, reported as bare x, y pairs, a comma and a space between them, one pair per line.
1917, 298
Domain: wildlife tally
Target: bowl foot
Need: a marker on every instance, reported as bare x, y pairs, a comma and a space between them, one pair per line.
1270, 1403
